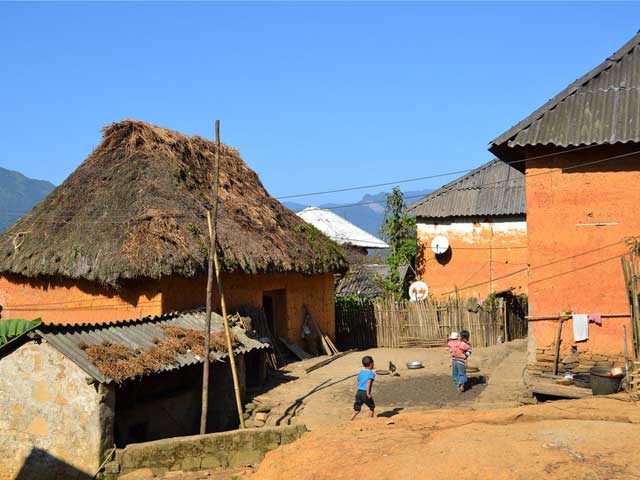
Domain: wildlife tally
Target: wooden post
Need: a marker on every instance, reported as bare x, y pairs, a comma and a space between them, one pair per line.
207, 334
223, 306
556, 357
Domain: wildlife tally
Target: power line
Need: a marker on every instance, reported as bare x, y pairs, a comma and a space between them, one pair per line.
553, 262
60, 307
376, 202
416, 179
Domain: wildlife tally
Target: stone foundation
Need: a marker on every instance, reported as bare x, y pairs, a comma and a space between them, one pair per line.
214, 450
571, 361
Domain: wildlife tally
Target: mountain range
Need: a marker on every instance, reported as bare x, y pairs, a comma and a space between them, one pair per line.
18, 195
367, 213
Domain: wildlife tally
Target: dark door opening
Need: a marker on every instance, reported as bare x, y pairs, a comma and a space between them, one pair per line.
274, 303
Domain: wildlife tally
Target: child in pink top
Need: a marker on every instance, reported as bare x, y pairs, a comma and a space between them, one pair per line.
460, 349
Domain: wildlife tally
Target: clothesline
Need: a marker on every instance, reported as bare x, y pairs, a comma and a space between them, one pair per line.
567, 317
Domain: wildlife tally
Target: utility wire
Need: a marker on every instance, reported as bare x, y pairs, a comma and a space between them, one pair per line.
416, 179
358, 204
25, 307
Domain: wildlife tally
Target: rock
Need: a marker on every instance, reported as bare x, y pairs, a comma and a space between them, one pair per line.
528, 401
246, 415
112, 468
249, 423
265, 408
249, 407
174, 474
139, 474
258, 423
570, 359
261, 417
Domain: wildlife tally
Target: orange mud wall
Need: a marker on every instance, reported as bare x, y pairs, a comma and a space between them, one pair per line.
481, 252
73, 302
578, 220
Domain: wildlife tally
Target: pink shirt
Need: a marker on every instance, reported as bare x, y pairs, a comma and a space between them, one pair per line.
458, 348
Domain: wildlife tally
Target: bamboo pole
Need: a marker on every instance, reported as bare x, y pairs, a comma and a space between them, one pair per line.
207, 334
213, 232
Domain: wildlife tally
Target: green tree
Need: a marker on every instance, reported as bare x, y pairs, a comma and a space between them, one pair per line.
399, 231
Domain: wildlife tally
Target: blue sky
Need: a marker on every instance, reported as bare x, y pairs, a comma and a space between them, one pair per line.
315, 96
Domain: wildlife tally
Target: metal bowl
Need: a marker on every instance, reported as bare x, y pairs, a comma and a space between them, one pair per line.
414, 365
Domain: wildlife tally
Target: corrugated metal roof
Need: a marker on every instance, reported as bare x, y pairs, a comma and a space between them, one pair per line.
601, 107
339, 229
141, 335
365, 280
495, 188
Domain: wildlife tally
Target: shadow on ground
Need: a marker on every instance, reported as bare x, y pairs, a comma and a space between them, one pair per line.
292, 409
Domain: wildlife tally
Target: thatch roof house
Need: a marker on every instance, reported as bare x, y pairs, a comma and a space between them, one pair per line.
112, 261
126, 236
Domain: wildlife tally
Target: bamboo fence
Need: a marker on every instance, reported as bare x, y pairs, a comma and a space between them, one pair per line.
365, 323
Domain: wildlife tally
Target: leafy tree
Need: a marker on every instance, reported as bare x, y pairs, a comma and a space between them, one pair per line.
399, 231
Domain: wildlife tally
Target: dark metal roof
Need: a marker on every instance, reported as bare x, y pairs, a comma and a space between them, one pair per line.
139, 334
366, 280
600, 107
495, 188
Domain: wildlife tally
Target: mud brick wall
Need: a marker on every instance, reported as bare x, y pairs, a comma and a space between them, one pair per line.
571, 362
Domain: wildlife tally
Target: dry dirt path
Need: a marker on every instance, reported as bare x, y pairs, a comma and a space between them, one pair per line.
324, 397
578, 439
505, 386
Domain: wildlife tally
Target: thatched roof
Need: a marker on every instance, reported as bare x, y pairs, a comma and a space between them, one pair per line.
136, 208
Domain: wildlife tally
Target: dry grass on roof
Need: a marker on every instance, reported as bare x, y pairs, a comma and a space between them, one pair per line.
120, 362
136, 208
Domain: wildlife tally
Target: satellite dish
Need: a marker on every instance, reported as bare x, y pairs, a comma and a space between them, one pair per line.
440, 245
418, 291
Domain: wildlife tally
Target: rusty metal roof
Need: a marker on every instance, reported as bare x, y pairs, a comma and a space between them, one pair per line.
141, 334
601, 107
495, 188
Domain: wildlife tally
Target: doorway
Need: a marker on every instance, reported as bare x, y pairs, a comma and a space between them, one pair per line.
274, 303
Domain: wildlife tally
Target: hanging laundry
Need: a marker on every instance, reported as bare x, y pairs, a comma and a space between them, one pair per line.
595, 318
580, 327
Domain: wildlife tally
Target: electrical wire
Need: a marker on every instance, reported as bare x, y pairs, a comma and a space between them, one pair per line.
350, 205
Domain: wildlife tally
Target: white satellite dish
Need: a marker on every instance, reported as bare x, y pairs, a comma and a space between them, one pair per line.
418, 291
440, 245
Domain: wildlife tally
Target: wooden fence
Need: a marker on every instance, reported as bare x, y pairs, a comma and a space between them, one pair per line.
355, 323
363, 323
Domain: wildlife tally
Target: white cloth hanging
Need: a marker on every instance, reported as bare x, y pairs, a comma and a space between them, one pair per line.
580, 327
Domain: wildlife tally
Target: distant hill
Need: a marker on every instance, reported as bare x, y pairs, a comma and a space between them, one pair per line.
18, 195
367, 213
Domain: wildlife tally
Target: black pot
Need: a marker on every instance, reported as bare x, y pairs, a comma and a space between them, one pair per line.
603, 383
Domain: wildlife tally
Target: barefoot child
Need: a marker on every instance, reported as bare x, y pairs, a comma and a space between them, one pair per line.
460, 349
365, 382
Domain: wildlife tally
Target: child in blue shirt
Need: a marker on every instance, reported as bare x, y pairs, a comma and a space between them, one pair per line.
365, 382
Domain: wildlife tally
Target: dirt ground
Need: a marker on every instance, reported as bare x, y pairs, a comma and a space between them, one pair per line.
579, 439
427, 430
324, 397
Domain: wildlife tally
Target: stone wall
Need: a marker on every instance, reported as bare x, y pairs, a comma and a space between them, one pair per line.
214, 450
571, 362
53, 424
